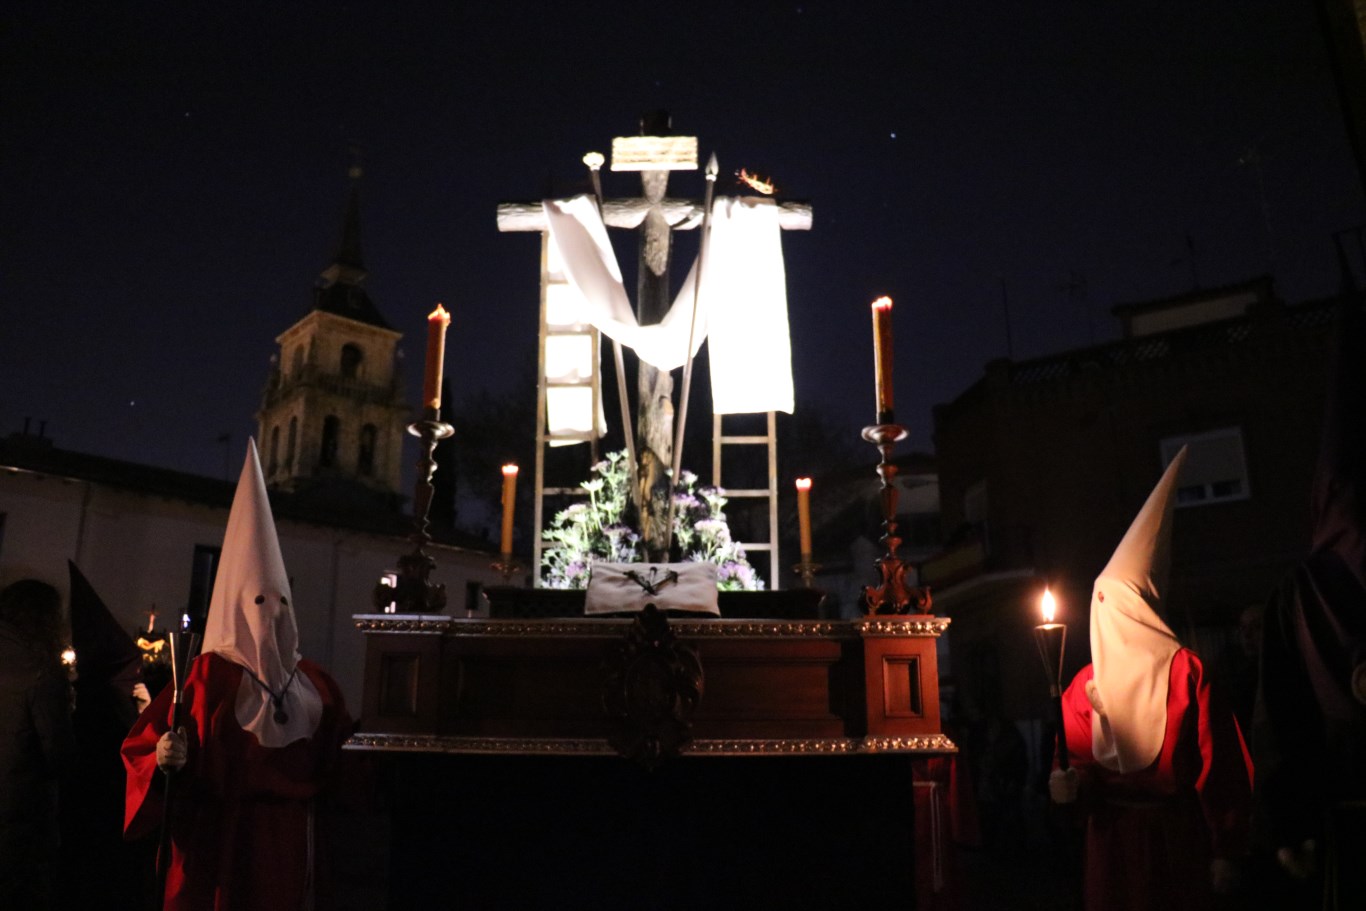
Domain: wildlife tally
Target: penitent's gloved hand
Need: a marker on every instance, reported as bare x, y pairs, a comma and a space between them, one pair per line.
171, 751
1062, 786
1223, 875
1298, 862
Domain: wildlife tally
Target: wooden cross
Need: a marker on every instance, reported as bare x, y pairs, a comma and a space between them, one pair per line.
653, 153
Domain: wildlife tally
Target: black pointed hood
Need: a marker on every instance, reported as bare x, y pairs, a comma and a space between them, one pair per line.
105, 653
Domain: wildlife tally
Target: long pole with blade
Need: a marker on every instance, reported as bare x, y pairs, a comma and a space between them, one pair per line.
594, 161
687, 364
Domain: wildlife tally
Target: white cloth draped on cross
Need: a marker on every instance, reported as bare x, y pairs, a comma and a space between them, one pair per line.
742, 303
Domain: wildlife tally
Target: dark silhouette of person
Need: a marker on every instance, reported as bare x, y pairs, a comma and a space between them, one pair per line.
36, 741
99, 868
1309, 724
1236, 672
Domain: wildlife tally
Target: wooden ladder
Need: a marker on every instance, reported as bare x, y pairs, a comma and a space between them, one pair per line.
555, 331
719, 441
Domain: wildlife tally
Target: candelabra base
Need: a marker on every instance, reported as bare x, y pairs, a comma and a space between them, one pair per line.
807, 570
413, 592
894, 595
507, 567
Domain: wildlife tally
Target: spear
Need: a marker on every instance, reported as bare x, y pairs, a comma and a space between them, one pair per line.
687, 364
594, 162
168, 792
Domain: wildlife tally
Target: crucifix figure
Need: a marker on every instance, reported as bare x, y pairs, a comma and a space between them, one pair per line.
654, 153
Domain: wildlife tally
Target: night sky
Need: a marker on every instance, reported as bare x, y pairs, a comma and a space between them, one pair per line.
174, 177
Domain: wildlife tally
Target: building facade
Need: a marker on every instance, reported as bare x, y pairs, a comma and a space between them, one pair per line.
148, 539
332, 428
1044, 463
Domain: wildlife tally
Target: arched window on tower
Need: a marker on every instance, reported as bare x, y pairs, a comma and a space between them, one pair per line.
327, 453
365, 459
296, 364
352, 360
290, 443
274, 449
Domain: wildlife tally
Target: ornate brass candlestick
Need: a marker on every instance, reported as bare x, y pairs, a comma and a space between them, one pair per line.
894, 595
414, 593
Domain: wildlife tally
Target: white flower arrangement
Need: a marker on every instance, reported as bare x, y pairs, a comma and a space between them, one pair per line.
595, 530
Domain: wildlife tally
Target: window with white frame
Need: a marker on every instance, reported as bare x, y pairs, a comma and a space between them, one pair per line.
1216, 467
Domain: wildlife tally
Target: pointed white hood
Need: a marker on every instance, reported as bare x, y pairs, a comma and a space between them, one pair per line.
251, 620
1131, 647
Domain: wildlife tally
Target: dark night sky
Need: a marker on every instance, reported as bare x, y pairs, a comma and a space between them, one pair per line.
173, 181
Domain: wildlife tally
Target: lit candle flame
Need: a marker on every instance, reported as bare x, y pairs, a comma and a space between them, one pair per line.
1050, 606
68, 656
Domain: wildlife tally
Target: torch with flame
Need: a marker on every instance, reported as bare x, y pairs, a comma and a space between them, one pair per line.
68, 658
1051, 638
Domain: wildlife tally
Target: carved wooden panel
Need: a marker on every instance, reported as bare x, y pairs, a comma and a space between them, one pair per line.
398, 684
902, 686
902, 695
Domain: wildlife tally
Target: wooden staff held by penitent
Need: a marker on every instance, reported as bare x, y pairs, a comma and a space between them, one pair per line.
168, 790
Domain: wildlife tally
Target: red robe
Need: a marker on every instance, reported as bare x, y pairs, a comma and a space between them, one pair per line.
241, 826
1151, 834
945, 817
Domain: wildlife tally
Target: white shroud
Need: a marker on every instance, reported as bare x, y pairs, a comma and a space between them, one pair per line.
742, 304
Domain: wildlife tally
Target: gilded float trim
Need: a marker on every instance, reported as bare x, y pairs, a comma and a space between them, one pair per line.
913, 626
554, 746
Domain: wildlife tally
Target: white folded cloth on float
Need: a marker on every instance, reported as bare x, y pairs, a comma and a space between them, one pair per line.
615, 588
744, 293
742, 304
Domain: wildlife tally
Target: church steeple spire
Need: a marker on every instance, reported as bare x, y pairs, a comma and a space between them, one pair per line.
340, 287
349, 252
333, 414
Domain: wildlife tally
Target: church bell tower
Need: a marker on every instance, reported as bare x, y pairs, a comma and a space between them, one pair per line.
332, 418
